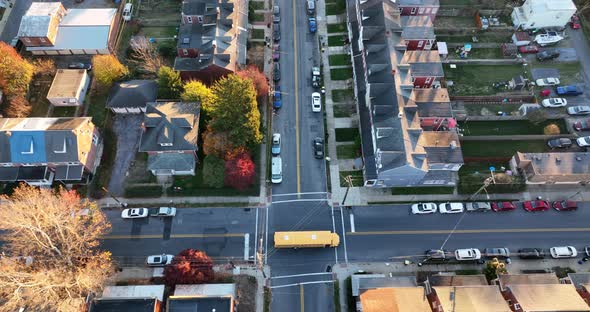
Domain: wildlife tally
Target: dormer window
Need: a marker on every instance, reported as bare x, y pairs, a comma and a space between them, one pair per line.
62, 150
30, 151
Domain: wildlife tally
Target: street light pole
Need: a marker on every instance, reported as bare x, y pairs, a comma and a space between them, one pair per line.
349, 182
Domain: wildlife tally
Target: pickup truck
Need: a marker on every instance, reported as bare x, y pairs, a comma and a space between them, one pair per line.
315, 77
163, 212
569, 90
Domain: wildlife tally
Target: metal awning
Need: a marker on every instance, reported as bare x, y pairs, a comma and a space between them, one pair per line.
69, 172
8, 174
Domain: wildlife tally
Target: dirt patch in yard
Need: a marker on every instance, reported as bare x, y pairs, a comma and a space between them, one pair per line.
246, 287
256, 54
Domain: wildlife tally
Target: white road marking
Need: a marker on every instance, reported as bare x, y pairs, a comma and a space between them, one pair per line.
246, 245
352, 223
256, 239
304, 283
297, 275
290, 194
344, 235
266, 236
300, 200
334, 231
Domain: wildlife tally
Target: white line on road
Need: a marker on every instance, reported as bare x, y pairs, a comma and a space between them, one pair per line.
297, 275
299, 200
266, 237
256, 239
352, 223
344, 235
308, 193
334, 231
304, 283
246, 245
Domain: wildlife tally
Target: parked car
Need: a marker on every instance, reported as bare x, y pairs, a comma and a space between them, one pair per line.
449, 207
578, 110
554, 102
565, 205
478, 206
318, 148
313, 26
528, 49
467, 254
559, 143
549, 81
165, 212
575, 22
582, 125
159, 260
503, 206
536, 205
315, 77
276, 72
563, 252
531, 253
435, 254
134, 213
569, 90
277, 98
276, 33
424, 208
587, 251
502, 252
276, 14
583, 141
275, 148
547, 55
316, 102
310, 7
86, 66
276, 53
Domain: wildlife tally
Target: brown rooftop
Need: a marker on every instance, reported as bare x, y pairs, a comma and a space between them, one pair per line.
398, 299
430, 95
420, 57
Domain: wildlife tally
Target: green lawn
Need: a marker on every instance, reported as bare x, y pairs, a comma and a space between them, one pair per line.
473, 174
491, 109
348, 151
356, 177
256, 5
64, 111
336, 28
340, 59
478, 79
257, 33
569, 73
339, 95
346, 134
336, 40
508, 127
335, 7
422, 190
159, 32
195, 186
343, 110
454, 21
341, 73
492, 53
153, 191
501, 149
483, 37
97, 109
256, 17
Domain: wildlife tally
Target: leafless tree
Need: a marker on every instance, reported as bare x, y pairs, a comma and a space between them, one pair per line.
145, 55
51, 259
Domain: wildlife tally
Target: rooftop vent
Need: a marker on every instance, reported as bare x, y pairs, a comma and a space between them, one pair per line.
578, 158
186, 40
557, 159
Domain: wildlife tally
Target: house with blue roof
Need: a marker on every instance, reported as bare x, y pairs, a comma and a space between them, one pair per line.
39, 151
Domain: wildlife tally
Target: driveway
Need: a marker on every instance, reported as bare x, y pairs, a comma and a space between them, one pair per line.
127, 128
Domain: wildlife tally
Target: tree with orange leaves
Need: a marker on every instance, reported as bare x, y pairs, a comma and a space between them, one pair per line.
51, 257
190, 266
240, 171
257, 77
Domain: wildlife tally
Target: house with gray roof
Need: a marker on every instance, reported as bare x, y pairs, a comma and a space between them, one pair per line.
169, 136
552, 168
203, 297
397, 151
211, 38
47, 28
131, 97
39, 151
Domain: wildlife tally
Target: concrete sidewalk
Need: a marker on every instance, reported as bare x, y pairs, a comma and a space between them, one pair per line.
109, 202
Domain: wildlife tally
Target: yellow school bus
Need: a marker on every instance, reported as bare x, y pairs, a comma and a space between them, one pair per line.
306, 239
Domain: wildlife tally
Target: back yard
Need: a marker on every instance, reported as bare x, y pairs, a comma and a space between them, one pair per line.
478, 79
508, 127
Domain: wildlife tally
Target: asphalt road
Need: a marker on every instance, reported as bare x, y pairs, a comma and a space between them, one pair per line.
390, 233
223, 233
302, 173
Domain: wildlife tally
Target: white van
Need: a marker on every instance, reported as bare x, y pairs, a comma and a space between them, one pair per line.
127, 12
277, 170
310, 7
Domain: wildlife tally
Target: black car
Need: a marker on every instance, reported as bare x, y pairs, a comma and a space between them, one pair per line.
318, 148
547, 55
86, 66
559, 143
531, 253
276, 32
276, 73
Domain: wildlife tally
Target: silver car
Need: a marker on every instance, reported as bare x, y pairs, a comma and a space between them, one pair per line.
578, 110
478, 206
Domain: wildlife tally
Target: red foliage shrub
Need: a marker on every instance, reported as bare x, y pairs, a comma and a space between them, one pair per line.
240, 171
190, 266
257, 77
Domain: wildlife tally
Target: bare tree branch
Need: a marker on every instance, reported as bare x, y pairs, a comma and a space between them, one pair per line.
145, 55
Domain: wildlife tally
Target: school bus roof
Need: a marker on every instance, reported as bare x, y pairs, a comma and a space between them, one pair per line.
305, 238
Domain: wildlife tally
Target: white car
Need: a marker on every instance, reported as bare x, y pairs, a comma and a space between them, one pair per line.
551, 81
316, 102
165, 212
450, 208
578, 110
583, 141
133, 213
563, 252
424, 208
467, 254
554, 102
159, 260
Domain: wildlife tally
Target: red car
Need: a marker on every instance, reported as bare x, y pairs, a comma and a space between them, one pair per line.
583, 125
276, 53
536, 205
575, 22
529, 49
565, 205
503, 206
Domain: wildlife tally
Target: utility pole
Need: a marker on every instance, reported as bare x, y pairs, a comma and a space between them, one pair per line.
260, 259
348, 180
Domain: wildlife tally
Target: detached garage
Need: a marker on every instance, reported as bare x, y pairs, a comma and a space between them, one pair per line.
131, 97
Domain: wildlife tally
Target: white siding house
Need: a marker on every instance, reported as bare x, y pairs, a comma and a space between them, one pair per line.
543, 14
